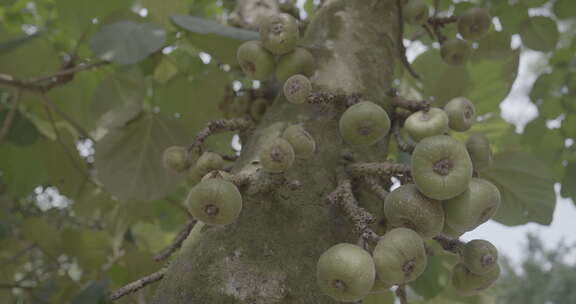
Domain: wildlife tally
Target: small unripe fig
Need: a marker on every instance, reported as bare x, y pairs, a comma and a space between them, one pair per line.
279, 33
461, 113
416, 12
297, 88
478, 147
345, 272
400, 256
300, 61
468, 283
473, 207
175, 158
277, 155
474, 23
479, 256
208, 161
425, 124
217, 174
441, 167
255, 60
301, 141
407, 207
447, 231
215, 201
455, 51
364, 123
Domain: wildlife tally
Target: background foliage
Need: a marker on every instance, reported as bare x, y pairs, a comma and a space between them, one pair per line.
85, 202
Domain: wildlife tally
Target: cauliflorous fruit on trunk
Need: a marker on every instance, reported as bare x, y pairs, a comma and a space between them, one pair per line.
279, 33
461, 114
447, 231
407, 207
468, 284
473, 207
215, 201
276, 156
299, 61
441, 167
474, 23
207, 162
301, 141
297, 88
455, 51
175, 158
345, 272
400, 256
255, 60
478, 147
364, 123
416, 12
423, 124
480, 256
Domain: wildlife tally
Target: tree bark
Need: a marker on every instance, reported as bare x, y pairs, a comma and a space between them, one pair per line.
269, 254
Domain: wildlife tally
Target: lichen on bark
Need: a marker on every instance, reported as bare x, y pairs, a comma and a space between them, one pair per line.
269, 254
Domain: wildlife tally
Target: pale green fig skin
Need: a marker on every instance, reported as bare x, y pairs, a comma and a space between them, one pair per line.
468, 284
299, 61
416, 12
455, 51
407, 207
441, 167
473, 207
277, 155
480, 256
297, 89
345, 272
424, 124
207, 162
279, 33
480, 152
255, 61
380, 287
217, 174
447, 231
175, 158
461, 114
215, 201
301, 141
474, 23
400, 256
364, 124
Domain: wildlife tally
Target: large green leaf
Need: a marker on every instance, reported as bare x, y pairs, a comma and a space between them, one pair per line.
42, 233
13, 43
34, 58
219, 40
22, 130
526, 187
95, 293
565, 9
129, 161
127, 42
77, 15
21, 168
435, 277
569, 182
160, 11
540, 33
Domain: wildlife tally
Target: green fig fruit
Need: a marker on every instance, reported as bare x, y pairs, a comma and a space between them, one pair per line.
423, 124
297, 89
468, 284
207, 162
455, 51
277, 155
474, 23
441, 167
407, 207
400, 256
364, 123
447, 231
345, 272
479, 256
279, 33
176, 158
300, 61
478, 147
461, 114
416, 12
255, 60
473, 207
215, 201
301, 141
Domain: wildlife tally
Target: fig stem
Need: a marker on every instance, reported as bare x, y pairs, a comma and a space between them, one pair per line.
401, 45
412, 105
450, 245
402, 144
176, 243
219, 126
442, 21
375, 187
401, 294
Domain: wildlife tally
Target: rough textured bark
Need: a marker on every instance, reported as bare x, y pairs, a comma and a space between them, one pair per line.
269, 254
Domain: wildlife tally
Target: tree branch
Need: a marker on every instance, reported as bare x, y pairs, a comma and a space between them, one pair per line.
401, 294
402, 144
375, 187
11, 114
219, 126
403, 57
412, 105
138, 284
328, 97
386, 168
176, 243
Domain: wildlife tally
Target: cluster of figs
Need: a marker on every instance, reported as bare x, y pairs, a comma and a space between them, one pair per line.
446, 198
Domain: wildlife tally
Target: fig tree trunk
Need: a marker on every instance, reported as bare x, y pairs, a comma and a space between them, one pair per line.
269, 254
